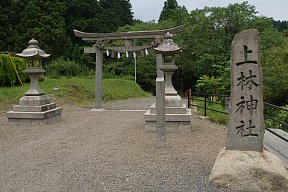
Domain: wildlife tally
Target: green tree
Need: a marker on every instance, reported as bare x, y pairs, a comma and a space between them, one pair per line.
115, 13
168, 9
9, 20
275, 76
208, 35
42, 20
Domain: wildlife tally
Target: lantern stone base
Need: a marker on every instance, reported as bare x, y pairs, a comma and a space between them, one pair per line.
34, 110
177, 119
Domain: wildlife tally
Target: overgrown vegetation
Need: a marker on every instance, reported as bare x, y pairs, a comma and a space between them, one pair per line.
9, 67
73, 91
61, 67
204, 64
213, 116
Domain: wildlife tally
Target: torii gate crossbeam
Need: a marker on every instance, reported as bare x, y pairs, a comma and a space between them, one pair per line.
99, 47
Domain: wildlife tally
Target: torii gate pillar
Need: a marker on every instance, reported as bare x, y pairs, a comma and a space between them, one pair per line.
99, 93
98, 75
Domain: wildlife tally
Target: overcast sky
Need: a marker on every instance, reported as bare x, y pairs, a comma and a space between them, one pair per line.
147, 10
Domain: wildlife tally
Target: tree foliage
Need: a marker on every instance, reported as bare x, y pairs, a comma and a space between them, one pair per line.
8, 65
206, 40
169, 7
52, 22
171, 11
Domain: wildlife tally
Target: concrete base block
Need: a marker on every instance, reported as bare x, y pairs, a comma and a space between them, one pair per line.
34, 115
170, 110
177, 119
34, 100
32, 122
171, 126
173, 101
34, 110
19, 108
148, 116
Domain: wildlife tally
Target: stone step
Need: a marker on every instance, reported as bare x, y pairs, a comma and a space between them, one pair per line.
170, 117
34, 115
42, 108
170, 110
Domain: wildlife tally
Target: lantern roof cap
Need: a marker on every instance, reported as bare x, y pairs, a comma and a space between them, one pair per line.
168, 47
33, 51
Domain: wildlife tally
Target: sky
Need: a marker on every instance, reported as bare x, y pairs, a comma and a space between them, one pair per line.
147, 10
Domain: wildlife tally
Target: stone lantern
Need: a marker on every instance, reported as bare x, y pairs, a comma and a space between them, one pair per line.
168, 49
177, 115
35, 106
34, 57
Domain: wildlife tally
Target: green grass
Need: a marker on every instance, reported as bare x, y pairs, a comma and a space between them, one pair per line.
73, 91
213, 116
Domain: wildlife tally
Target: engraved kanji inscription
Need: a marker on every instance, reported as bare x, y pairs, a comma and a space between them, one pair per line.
246, 61
241, 105
246, 104
241, 129
247, 81
246, 131
252, 103
250, 80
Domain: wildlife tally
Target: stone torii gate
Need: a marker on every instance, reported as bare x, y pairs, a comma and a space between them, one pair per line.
99, 48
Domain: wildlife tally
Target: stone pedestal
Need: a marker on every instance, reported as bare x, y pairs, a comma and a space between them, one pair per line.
177, 116
34, 110
178, 119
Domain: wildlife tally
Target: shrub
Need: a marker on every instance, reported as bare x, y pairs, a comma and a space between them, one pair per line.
61, 67
8, 76
280, 115
2, 73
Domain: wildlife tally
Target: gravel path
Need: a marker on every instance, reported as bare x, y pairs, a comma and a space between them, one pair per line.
107, 151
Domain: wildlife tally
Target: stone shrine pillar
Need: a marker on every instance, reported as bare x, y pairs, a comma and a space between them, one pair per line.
159, 61
160, 111
246, 119
177, 115
35, 107
243, 165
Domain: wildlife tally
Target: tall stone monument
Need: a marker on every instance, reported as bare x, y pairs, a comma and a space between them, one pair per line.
244, 165
35, 107
177, 115
246, 121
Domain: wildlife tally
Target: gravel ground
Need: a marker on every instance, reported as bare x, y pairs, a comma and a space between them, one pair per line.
107, 151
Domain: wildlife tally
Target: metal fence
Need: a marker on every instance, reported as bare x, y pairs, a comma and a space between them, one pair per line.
208, 98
